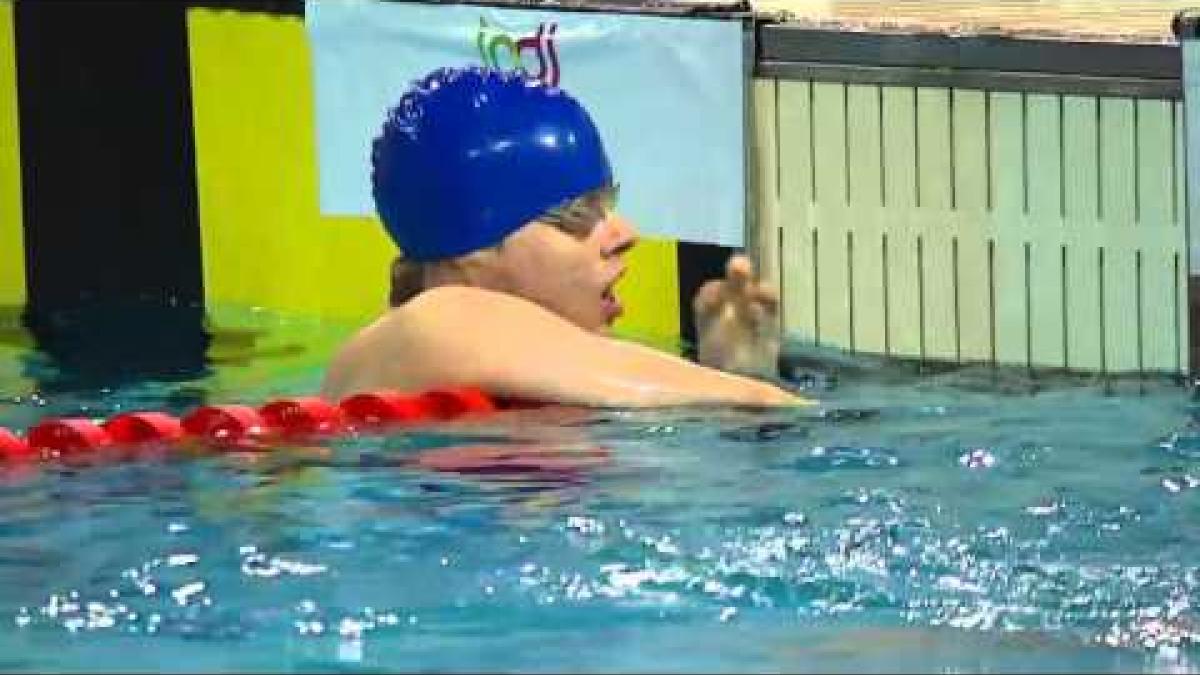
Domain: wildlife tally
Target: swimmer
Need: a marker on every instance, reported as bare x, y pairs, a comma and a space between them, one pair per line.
499, 194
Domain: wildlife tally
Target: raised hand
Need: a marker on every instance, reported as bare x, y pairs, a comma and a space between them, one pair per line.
737, 321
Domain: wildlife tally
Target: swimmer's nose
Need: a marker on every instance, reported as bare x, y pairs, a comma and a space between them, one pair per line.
619, 235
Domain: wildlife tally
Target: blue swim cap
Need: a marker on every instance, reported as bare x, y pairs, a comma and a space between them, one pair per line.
469, 155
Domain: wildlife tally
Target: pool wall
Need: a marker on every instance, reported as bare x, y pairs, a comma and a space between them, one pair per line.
976, 198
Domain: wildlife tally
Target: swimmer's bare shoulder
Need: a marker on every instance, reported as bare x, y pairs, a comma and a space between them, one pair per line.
460, 335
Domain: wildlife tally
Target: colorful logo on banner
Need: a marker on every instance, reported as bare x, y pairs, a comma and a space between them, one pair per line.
499, 49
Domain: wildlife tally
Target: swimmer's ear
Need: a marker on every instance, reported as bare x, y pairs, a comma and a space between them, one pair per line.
478, 268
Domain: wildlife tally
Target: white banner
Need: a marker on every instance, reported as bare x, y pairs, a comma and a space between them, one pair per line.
668, 95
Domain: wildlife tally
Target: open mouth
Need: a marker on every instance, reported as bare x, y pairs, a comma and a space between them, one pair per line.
612, 305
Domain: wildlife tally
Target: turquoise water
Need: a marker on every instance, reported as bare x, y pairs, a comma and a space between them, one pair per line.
954, 521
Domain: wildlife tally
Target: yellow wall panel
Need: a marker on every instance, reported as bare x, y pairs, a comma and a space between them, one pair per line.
650, 293
265, 243
12, 247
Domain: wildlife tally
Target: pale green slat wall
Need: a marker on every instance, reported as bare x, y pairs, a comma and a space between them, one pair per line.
962, 225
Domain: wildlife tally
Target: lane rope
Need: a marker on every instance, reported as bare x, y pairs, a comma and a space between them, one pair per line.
245, 426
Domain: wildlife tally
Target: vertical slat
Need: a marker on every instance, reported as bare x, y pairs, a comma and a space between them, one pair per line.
1118, 193
1120, 210
1121, 308
795, 196
900, 194
971, 175
799, 274
1084, 335
1156, 194
1007, 127
935, 173
1181, 312
1181, 262
833, 283
1154, 162
866, 198
1012, 294
829, 128
1008, 212
864, 143
970, 150
1045, 203
831, 198
1047, 330
766, 181
870, 310
899, 147
1081, 195
1043, 159
1158, 311
975, 311
940, 299
1080, 158
904, 303
1178, 178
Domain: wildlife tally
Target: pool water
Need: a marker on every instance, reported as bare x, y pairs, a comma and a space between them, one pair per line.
962, 520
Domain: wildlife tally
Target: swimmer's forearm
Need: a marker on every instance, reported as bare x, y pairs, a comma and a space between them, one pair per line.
644, 376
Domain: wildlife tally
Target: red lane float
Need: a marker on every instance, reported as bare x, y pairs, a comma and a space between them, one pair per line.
67, 435
144, 427
238, 425
378, 408
224, 423
12, 447
303, 416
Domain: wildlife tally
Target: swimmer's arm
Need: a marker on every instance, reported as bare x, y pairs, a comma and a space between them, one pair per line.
515, 348
683, 380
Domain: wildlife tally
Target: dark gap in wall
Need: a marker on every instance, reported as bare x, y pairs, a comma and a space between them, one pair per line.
697, 263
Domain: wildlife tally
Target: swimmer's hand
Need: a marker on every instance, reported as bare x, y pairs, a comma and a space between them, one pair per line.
737, 322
